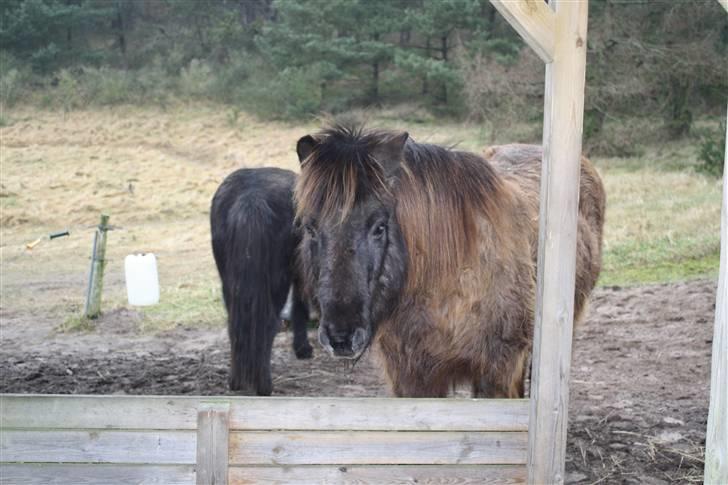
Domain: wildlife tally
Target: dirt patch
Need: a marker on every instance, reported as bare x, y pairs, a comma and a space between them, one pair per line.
639, 395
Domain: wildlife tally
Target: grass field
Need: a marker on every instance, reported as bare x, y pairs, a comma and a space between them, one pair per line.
154, 172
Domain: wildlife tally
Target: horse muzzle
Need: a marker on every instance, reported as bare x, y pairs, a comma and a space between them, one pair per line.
347, 344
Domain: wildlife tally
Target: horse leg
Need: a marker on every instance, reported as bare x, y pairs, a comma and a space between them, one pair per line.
299, 319
411, 379
507, 381
412, 385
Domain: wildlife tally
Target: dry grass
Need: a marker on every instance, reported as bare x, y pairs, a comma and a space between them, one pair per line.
155, 171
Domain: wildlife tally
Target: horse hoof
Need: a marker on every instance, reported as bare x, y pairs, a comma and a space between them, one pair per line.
304, 352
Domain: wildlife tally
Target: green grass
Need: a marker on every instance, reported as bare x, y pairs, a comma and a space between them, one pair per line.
662, 220
193, 304
660, 261
76, 323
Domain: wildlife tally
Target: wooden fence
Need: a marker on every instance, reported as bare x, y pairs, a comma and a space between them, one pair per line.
170, 440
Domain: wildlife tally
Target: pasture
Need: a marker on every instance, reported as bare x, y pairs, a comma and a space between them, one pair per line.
641, 359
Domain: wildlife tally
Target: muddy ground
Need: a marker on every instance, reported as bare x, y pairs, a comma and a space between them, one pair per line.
639, 395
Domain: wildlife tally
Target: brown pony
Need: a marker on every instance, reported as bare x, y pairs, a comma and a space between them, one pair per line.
431, 254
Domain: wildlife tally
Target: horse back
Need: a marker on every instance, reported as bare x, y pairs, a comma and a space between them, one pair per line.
521, 165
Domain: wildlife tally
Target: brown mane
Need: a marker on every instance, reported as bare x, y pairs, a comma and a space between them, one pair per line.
440, 226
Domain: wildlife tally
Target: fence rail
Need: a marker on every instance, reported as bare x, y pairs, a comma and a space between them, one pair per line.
156, 439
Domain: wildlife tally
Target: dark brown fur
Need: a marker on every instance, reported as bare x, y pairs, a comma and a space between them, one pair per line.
470, 230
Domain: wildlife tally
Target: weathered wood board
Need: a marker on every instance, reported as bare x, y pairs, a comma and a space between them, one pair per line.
377, 475
253, 413
138, 439
95, 474
377, 448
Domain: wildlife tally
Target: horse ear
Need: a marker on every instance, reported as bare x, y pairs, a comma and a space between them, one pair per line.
389, 153
305, 146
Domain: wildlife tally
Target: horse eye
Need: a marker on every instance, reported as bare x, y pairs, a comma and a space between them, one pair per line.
380, 230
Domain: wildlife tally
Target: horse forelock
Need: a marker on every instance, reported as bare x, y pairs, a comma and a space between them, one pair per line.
340, 172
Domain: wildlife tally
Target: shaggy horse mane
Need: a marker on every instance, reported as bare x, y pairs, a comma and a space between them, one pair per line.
440, 195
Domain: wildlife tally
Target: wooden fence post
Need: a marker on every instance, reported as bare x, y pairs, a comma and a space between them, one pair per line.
563, 116
96, 274
213, 432
716, 438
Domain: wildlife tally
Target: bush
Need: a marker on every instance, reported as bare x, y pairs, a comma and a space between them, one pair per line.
229, 78
293, 93
154, 84
196, 79
10, 87
711, 153
68, 92
14, 78
106, 86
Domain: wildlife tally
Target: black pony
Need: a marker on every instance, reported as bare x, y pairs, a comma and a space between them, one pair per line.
254, 242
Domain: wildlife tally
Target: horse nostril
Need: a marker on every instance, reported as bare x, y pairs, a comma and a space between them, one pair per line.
340, 342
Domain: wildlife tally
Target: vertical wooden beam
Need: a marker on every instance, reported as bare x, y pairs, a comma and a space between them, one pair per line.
212, 443
716, 438
563, 116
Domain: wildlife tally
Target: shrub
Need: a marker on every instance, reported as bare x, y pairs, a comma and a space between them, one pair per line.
293, 93
14, 78
68, 92
711, 153
196, 79
106, 86
10, 87
154, 84
231, 76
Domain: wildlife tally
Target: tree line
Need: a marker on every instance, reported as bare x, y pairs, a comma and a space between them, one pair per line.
293, 58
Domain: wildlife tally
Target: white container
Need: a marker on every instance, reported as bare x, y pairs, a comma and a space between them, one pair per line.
142, 281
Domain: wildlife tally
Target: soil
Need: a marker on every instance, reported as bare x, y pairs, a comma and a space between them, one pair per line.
639, 378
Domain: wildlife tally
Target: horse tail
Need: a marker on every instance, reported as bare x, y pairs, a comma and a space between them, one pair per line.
253, 259
253, 315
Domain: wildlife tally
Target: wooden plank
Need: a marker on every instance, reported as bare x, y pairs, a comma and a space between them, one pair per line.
380, 414
716, 441
534, 21
212, 444
563, 116
109, 412
55, 474
152, 447
376, 448
256, 413
724, 3
393, 474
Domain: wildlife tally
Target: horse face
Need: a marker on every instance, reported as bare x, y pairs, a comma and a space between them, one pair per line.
358, 267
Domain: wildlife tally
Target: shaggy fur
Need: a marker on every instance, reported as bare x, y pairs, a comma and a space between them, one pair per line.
463, 237
254, 242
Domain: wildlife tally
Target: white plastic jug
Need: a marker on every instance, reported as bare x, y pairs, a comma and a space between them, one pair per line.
142, 281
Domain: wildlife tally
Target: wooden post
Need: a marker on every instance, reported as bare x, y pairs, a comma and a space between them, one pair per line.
558, 35
96, 274
716, 438
212, 443
563, 116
